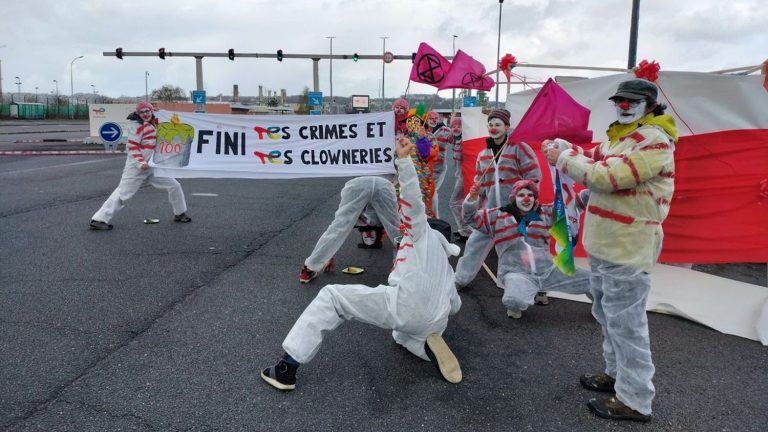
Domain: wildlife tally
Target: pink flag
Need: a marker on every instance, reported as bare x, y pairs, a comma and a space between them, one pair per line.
429, 67
553, 114
466, 73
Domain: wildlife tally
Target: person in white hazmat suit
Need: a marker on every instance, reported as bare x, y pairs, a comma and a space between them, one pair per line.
631, 180
520, 230
415, 304
368, 203
140, 147
498, 168
457, 196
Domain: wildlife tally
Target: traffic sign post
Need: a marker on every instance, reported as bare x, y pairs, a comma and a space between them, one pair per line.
315, 112
388, 57
110, 133
198, 98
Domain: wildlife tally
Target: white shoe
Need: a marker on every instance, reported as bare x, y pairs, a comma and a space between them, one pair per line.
442, 355
514, 314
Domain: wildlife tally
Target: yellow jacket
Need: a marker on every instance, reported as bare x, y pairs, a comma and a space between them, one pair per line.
631, 179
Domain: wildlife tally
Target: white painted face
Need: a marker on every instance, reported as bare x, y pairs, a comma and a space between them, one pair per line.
432, 119
456, 126
628, 111
525, 200
497, 128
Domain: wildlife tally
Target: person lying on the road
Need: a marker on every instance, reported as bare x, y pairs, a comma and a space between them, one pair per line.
415, 304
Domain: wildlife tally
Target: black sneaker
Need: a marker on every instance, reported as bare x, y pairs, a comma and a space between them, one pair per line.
601, 382
541, 298
100, 226
281, 376
438, 351
614, 409
183, 218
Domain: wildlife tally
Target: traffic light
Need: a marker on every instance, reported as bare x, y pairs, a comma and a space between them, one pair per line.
231, 54
161, 53
413, 57
119, 53
279, 55
355, 57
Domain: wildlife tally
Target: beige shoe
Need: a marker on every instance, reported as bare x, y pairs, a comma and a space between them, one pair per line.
439, 353
514, 314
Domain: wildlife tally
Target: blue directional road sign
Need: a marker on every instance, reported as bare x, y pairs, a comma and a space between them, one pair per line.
198, 96
316, 98
110, 132
470, 101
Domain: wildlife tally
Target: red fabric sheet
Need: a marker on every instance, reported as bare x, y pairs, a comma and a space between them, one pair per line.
717, 214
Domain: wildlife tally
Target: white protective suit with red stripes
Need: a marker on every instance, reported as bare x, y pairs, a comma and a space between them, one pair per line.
416, 303
525, 262
516, 162
141, 146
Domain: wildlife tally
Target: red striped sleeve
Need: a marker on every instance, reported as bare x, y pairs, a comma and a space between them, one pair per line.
659, 146
608, 214
500, 240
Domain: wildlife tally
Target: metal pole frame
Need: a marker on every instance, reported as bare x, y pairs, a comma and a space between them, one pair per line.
498, 53
72, 87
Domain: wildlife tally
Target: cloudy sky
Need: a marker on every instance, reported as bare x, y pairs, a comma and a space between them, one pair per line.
40, 38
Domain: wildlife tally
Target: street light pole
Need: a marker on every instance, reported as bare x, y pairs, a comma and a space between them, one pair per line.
383, 64
453, 101
35, 94
330, 61
72, 86
498, 54
146, 85
93, 87
18, 83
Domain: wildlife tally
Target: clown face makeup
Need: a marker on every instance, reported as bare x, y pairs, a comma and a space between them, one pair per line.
628, 111
525, 200
145, 114
497, 128
456, 126
432, 119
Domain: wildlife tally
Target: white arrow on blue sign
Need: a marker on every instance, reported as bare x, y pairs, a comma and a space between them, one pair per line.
315, 98
198, 96
110, 132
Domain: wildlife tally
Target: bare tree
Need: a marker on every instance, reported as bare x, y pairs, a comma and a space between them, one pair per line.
168, 93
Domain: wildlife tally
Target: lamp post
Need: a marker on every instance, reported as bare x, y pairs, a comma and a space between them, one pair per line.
146, 85
383, 64
93, 87
72, 86
453, 92
498, 53
330, 61
57, 97
35, 94
18, 83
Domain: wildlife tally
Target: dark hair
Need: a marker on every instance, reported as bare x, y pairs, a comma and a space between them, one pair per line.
135, 117
658, 109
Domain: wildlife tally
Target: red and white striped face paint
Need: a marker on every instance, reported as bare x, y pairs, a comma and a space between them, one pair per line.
525, 200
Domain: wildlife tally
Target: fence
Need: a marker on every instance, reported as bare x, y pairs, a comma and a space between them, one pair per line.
52, 107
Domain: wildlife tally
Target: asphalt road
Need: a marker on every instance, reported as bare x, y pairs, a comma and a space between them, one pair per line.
166, 326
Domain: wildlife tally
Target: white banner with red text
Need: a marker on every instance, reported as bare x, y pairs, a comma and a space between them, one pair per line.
273, 147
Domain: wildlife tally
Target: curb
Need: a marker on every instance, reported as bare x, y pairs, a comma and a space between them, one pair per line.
49, 140
59, 152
